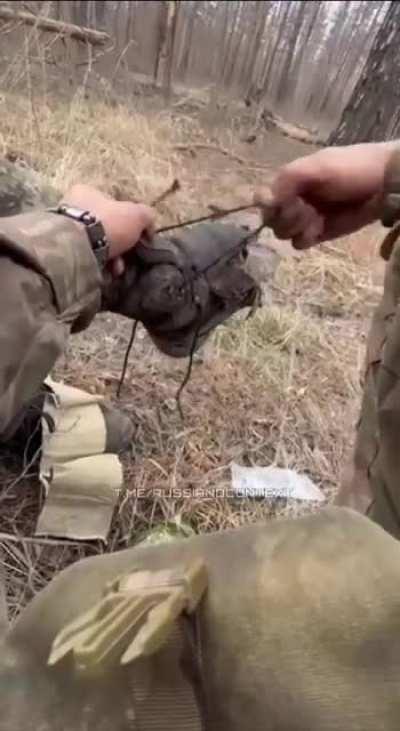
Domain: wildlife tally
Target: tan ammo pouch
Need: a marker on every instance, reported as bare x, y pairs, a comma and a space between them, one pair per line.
145, 628
81, 481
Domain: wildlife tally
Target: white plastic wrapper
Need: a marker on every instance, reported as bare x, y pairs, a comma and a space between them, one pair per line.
273, 482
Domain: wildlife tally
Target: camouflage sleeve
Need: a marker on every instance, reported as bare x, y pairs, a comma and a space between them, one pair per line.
49, 287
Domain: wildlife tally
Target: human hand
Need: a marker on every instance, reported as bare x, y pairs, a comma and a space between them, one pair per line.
330, 193
124, 222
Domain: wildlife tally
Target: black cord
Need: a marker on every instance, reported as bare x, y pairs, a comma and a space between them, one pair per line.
189, 368
125, 365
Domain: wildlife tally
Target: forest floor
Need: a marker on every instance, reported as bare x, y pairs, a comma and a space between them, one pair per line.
280, 388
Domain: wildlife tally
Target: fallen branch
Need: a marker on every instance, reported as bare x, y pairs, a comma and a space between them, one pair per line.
87, 35
288, 129
222, 150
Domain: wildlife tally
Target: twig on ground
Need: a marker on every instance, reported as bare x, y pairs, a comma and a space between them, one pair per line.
173, 188
217, 148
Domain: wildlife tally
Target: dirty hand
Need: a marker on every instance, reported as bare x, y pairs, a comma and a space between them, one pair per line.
330, 193
124, 222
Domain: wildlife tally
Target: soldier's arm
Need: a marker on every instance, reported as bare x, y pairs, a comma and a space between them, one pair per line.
49, 286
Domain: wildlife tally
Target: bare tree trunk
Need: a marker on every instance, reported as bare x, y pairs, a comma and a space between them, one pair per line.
253, 10
316, 8
91, 14
293, 41
371, 113
218, 68
345, 52
268, 54
283, 15
187, 41
234, 43
100, 8
130, 23
361, 45
261, 21
169, 47
161, 35
236, 9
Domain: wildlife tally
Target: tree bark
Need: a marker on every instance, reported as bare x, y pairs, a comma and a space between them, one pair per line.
347, 54
283, 15
261, 21
94, 37
372, 111
218, 68
161, 36
315, 10
288, 64
187, 41
100, 13
130, 22
253, 10
236, 8
169, 47
233, 48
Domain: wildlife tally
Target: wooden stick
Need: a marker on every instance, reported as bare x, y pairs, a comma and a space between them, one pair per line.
87, 35
173, 188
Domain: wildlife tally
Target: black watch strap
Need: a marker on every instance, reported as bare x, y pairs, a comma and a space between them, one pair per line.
94, 227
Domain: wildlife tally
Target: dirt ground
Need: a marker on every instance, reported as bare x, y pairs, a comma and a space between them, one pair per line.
281, 388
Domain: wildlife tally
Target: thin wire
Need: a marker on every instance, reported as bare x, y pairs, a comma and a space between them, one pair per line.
126, 358
188, 370
209, 217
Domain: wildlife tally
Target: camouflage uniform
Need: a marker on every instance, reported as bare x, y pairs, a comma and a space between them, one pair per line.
50, 286
377, 454
374, 488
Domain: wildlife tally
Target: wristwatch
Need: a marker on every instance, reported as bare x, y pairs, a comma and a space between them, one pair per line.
95, 231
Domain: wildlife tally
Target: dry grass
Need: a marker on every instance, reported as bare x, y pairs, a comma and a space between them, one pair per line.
280, 388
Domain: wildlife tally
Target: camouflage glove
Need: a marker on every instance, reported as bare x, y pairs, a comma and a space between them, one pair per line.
181, 288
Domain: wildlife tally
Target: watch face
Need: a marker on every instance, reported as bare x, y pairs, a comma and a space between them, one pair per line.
72, 212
